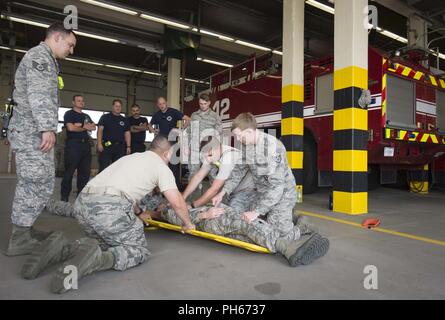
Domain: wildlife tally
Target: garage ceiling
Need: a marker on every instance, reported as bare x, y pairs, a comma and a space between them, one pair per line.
256, 21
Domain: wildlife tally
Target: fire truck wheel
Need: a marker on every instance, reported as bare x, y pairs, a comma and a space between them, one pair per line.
310, 174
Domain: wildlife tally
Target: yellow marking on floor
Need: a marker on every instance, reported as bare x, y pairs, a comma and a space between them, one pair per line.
378, 229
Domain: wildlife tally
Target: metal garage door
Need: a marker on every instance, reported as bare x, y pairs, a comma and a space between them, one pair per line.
325, 93
401, 104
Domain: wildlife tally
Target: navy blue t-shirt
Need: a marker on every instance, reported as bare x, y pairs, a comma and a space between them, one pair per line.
167, 120
114, 127
138, 137
73, 117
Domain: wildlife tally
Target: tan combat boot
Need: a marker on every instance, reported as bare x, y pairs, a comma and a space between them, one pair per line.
304, 224
52, 250
21, 242
88, 258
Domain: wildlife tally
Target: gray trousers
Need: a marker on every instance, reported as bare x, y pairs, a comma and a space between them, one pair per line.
35, 177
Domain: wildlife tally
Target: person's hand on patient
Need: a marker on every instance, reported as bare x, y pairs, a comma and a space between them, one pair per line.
212, 213
216, 200
249, 216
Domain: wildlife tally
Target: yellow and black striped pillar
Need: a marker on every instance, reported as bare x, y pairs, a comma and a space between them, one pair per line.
350, 139
292, 96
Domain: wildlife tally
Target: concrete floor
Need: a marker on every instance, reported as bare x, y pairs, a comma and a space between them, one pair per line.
185, 267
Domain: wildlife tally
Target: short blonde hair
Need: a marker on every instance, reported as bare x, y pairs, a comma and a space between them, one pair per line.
205, 97
244, 121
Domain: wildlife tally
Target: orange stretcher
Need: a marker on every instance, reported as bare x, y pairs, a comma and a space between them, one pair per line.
210, 236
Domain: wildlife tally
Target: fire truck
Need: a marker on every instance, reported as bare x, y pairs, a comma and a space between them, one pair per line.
406, 119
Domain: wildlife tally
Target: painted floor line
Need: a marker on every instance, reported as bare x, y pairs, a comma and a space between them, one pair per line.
378, 229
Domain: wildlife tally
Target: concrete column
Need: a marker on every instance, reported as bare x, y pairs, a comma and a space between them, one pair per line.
292, 124
417, 32
350, 138
173, 83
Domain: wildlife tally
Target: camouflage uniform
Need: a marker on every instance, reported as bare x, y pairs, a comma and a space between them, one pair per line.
37, 96
59, 151
229, 224
202, 124
274, 181
110, 220
241, 201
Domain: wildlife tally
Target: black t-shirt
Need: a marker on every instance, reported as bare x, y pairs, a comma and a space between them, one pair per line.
114, 127
73, 117
167, 120
137, 137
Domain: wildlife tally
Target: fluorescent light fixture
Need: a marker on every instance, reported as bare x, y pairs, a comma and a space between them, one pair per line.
192, 80
122, 68
331, 10
394, 36
95, 36
98, 64
220, 36
85, 61
27, 21
152, 73
44, 25
22, 51
196, 81
441, 55
215, 62
111, 7
248, 44
195, 29
17, 50
321, 6
164, 21
278, 52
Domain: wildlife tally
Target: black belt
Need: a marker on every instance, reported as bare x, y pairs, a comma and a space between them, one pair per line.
112, 143
79, 140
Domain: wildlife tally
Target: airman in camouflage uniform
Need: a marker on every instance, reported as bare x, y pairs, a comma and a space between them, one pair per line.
32, 133
204, 122
265, 157
112, 223
218, 163
299, 247
105, 210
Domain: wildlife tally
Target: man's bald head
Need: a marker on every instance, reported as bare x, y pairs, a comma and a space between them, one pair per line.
160, 144
162, 104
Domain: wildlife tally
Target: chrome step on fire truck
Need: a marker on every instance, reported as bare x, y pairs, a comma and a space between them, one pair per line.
406, 119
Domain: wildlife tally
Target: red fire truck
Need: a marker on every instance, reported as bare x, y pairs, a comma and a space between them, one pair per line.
406, 118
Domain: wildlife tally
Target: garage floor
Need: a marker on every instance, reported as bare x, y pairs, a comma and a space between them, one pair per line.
410, 263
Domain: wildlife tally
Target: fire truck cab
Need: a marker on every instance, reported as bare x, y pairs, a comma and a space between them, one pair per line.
406, 118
